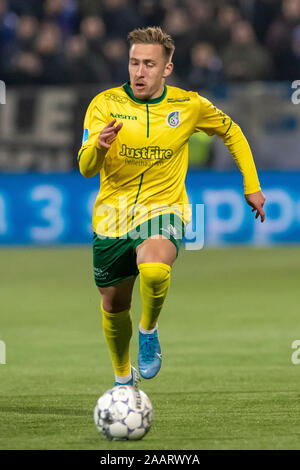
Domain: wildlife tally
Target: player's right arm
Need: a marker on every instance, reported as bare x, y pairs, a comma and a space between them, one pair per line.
97, 138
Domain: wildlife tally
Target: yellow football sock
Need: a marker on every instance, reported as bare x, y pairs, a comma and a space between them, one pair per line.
154, 284
117, 329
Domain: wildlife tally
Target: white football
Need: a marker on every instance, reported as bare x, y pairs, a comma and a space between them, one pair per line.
123, 413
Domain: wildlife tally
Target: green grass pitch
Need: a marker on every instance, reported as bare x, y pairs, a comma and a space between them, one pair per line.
227, 380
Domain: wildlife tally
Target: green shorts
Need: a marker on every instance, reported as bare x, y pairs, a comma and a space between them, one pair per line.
114, 259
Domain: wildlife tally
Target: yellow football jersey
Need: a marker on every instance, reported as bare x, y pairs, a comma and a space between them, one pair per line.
143, 172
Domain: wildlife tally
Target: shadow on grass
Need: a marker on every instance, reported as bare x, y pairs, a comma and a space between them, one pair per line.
75, 405
44, 410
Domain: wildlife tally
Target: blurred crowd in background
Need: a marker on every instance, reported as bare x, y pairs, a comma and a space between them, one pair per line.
84, 41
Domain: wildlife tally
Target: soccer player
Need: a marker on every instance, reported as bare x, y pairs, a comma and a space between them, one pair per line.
136, 135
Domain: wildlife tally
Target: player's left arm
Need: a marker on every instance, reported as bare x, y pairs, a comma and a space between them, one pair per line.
256, 201
212, 121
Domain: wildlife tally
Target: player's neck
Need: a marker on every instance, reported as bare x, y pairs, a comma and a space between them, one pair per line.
156, 97
158, 93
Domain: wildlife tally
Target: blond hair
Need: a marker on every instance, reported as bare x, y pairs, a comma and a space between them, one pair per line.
153, 35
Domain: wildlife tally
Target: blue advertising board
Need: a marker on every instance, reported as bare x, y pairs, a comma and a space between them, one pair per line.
51, 209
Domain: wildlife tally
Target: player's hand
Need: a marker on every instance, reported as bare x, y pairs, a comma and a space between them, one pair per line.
257, 200
108, 134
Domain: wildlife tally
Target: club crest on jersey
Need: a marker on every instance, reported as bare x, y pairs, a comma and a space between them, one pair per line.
173, 119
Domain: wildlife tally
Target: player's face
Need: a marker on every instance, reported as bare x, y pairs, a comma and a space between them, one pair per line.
148, 69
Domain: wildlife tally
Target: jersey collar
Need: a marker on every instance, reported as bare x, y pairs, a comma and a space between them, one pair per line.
129, 92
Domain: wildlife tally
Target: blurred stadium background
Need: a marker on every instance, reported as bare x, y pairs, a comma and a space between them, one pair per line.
55, 56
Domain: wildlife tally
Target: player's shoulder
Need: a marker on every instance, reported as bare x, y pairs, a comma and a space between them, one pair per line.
177, 95
116, 94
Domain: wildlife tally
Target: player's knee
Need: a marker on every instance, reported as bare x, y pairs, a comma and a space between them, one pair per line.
115, 306
154, 274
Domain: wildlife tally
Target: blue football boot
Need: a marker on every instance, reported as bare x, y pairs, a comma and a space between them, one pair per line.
149, 358
134, 381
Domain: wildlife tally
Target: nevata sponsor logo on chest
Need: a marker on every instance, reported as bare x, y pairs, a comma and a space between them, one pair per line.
173, 118
129, 117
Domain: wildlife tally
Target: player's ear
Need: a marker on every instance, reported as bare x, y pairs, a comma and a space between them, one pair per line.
168, 69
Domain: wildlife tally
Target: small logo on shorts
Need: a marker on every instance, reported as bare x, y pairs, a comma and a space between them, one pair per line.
170, 230
100, 274
173, 119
